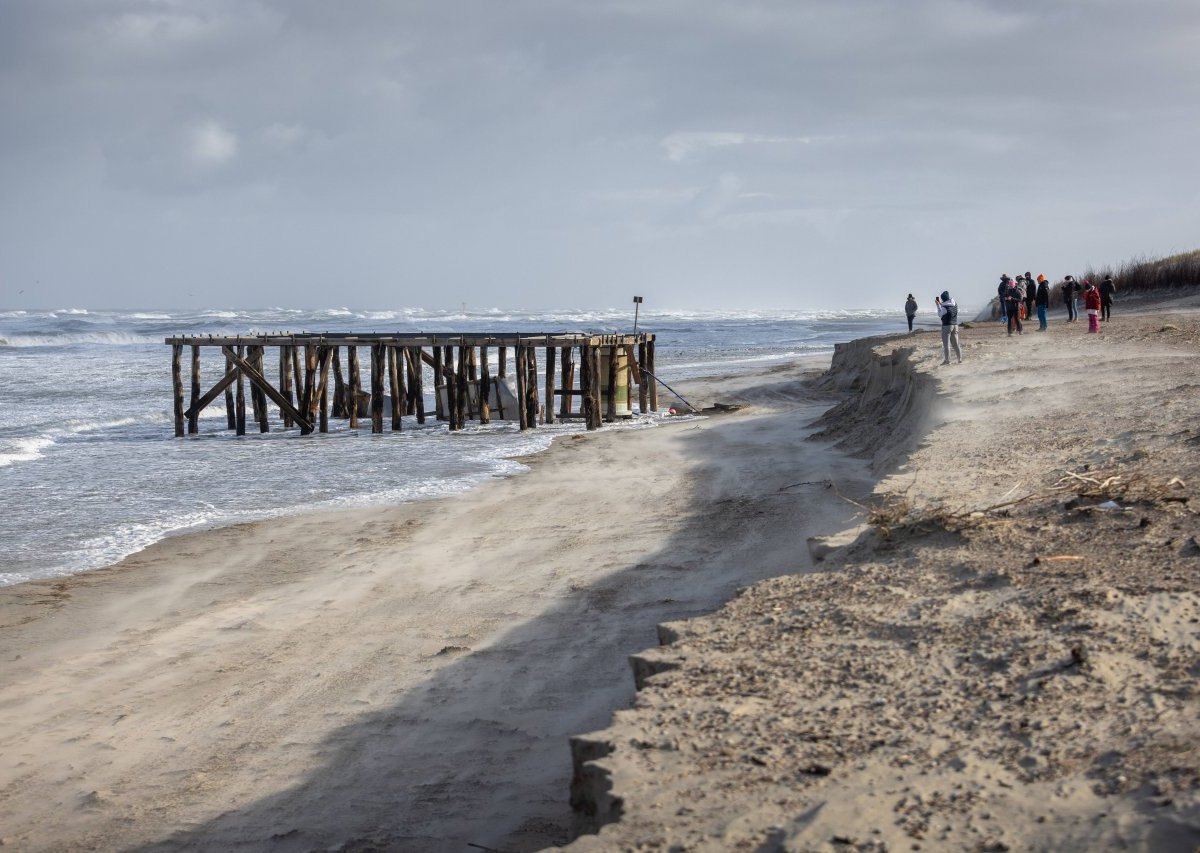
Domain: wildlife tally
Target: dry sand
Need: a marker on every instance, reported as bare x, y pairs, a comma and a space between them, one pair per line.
396, 679
1004, 657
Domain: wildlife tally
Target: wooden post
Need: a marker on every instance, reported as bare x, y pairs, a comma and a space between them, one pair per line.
394, 375
439, 411
240, 402
522, 390
295, 355
610, 407
463, 412
485, 387
177, 386
312, 382
502, 369
653, 368
643, 380
550, 377
585, 384
355, 385
259, 395
324, 357
230, 411
417, 382
568, 380
339, 386
255, 408
594, 368
285, 384
451, 385
377, 388
531, 385
194, 421
473, 382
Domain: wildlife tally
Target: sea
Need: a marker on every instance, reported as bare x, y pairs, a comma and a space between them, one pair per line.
91, 471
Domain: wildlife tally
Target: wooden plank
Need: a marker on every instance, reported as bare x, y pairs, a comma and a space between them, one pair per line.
550, 377
485, 386
177, 387
522, 391
243, 367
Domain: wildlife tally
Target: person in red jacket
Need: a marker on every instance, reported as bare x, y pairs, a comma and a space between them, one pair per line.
1091, 302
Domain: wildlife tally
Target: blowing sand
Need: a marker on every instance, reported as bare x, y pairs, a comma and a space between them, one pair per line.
1004, 658
397, 679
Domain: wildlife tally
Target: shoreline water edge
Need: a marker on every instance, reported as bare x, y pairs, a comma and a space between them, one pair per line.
409, 677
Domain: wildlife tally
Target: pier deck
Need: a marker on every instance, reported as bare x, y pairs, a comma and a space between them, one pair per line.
458, 367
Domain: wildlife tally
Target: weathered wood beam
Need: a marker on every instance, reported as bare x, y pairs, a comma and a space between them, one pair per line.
377, 389
223, 385
568, 381
194, 422
355, 384
550, 377
522, 389
230, 411
240, 401
394, 377
652, 366
417, 383
177, 387
531, 385
485, 386
244, 367
610, 406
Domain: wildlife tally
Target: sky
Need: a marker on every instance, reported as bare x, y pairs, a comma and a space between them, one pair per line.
544, 154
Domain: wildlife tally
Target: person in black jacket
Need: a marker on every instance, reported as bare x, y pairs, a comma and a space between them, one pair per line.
910, 310
1043, 301
1014, 295
1030, 295
1107, 291
1070, 291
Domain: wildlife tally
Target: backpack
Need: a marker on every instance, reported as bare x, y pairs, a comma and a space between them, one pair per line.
950, 318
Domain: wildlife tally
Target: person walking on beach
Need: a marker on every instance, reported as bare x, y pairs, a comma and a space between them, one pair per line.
948, 310
1091, 302
1107, 291
1030, 295
1070, 289
1001, 291
1043, 302
910, 310
1014, 295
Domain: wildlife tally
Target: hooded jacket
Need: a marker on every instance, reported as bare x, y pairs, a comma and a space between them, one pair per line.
948, 311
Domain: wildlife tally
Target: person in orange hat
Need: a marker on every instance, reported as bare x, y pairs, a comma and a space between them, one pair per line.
1043, 302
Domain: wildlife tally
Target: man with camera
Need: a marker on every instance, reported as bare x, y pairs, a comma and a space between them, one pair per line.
947, 309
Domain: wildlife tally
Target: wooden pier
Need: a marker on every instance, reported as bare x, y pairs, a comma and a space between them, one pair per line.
460, 366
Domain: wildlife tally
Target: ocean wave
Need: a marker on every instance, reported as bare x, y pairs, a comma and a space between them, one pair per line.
75, 338
23, 450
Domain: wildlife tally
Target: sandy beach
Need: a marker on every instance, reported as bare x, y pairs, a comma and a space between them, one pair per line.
399, 679
1003, 656
938, 638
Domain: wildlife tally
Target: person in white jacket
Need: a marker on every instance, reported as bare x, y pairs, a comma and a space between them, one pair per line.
948, 310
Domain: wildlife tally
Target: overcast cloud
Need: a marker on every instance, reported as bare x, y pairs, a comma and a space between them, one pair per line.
571, 153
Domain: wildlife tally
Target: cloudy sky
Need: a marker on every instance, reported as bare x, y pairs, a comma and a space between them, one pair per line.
571, 153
